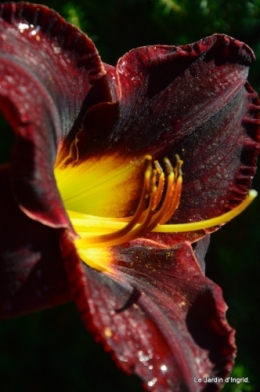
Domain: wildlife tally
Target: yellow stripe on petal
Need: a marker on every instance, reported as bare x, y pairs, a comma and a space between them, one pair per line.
98, 258
104, 187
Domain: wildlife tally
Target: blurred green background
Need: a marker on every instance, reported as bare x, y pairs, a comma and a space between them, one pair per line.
50, 350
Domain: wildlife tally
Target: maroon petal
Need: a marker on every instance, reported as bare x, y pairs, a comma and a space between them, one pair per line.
32, 274
47, 67
158, 314
190, 100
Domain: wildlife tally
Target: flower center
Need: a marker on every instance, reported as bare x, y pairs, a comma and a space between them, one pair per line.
93, 189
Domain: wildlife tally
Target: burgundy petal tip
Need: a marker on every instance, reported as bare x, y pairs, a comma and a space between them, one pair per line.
52, 24
221, 47
228, 46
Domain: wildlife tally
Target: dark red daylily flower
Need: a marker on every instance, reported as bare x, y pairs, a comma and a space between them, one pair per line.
92, 204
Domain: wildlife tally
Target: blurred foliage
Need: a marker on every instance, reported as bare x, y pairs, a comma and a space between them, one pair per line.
51, 350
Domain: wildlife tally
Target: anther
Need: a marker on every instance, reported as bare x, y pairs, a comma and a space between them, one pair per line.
161, 182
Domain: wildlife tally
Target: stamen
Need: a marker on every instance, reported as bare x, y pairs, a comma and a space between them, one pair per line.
169, 192
177, 192
161, 182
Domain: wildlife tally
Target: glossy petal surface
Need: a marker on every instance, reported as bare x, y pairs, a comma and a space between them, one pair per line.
190, 100
159, 315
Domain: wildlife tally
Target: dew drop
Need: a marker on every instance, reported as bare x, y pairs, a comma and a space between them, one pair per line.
34, 31
164, 368
152, 382
143, 357
22, 27
121, 67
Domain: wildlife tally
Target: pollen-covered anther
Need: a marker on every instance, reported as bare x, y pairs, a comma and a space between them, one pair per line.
159, 199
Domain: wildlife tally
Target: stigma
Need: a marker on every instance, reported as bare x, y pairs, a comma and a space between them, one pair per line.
159, 198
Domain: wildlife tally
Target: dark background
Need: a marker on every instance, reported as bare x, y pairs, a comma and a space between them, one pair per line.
50, 350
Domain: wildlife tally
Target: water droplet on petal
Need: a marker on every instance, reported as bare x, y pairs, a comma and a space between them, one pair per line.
144, 357
152, 382
22, 27
164, 368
